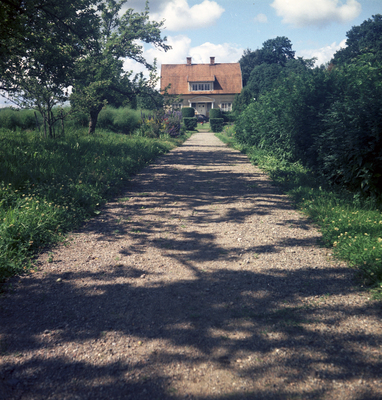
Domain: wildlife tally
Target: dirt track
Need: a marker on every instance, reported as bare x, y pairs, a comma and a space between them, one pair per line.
200, 282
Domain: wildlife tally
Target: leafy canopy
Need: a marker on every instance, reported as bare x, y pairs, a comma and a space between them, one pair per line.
100, 77
362, 39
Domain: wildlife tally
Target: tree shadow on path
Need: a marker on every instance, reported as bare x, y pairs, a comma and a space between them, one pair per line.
277, 331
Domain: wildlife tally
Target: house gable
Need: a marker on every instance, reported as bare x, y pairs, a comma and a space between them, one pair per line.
201, 79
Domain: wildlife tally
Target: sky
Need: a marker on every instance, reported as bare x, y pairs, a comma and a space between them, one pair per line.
225, 28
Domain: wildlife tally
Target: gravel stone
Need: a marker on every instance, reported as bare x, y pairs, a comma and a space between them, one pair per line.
200, 282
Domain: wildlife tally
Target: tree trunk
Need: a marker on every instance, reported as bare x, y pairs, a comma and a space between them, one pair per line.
93, 117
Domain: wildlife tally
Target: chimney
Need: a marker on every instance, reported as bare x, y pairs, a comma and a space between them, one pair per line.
189, 60
212, 60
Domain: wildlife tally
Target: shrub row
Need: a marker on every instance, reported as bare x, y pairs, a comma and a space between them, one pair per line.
330, 120
13, 119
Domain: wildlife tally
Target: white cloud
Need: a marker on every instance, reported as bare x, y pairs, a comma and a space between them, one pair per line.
303, 13
223, 53
261, 18
324, 54
179, 15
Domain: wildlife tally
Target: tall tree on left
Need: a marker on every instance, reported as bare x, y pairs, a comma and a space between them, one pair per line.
100, 76
40, 43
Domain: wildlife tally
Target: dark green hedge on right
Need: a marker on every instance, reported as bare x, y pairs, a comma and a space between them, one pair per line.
190, 123
216, 124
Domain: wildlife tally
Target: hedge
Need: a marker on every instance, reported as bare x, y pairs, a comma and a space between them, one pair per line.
215, 113
190, 123
188, 112
216, 124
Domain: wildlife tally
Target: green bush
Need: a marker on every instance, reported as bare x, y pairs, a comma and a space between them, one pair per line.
216, 124
351, 142
215, 113
126, 120
120, 120
228, 116
190, 123
106, 118
188, 112
9, 120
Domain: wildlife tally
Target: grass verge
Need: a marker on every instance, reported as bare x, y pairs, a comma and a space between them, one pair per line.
350, 225
50, 186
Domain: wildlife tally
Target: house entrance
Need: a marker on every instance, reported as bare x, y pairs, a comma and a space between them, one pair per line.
201, 108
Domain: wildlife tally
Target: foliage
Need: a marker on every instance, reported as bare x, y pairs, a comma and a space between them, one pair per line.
190, 122
362, 39
278, 50
48, 187
228, 116
40, 43
13, 119
215, 113
274, 51
188, 112
216, 124
350, 145
160, 122
100, 78
120, 120
172, 122
329, 120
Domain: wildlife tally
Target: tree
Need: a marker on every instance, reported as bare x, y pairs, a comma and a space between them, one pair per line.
274, 51
278, 50
100, 77
362, 39
248, 61
40, 43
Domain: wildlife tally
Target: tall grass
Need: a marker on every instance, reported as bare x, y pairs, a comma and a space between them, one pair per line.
14, 119
48, 186
351, 225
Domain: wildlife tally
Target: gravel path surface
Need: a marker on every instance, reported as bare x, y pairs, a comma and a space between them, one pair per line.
201, 282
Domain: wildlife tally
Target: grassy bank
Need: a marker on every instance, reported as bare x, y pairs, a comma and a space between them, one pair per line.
50, 186
350, 225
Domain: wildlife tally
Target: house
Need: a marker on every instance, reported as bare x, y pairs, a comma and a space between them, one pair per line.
203, 86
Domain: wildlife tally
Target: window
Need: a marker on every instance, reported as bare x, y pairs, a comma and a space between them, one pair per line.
193, 105
176, 106
201, 86
226, 107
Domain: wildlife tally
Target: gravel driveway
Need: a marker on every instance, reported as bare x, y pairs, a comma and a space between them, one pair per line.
200, 282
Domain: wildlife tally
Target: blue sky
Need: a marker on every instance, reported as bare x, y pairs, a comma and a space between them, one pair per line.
225, 28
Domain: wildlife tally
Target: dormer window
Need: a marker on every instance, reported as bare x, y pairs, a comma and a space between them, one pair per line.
201, 86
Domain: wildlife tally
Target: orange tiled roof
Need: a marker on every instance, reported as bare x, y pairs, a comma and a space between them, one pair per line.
226, 77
